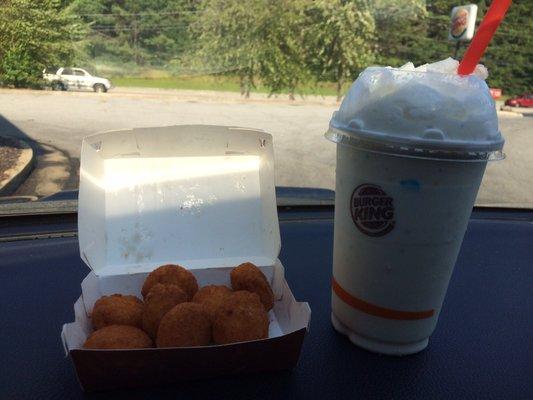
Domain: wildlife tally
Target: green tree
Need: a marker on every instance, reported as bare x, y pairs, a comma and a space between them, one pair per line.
286, 43
340, 38
230, 38
283, 64
255, 39
509, 57
146, 31
401, 30
34, 34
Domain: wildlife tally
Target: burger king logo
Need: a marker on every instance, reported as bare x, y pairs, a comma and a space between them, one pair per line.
372, 210
459, 23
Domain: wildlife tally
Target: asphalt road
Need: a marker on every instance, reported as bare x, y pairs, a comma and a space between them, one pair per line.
57, 121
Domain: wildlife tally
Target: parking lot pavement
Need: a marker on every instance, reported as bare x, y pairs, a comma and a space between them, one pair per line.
59, 120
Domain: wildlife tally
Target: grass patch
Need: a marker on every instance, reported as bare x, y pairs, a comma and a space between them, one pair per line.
210, 82
185, 83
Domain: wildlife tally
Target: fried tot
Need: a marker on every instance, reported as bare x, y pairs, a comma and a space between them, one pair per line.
241, 317
174, 275
248, 277
244, 296
160, 299
187, 324
118, 337
117, 310
212, 297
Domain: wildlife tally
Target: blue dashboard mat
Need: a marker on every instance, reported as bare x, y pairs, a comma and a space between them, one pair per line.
480, 350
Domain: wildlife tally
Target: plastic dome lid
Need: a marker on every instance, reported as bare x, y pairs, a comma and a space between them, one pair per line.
426, 112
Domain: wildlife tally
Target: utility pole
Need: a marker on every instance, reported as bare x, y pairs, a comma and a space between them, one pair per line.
135, 40
457, 46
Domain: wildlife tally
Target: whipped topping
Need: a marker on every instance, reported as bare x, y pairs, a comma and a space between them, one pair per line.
429, 105
447, 66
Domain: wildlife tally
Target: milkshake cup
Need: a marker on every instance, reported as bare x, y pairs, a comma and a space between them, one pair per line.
412, 147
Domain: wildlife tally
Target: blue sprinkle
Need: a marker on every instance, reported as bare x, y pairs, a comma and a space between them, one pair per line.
411, 184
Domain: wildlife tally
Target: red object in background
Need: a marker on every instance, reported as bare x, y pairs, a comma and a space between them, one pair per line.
526, 100
495, 93
483, 36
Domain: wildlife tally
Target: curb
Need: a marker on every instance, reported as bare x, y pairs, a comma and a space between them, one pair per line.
21, 170
506, 111
187, 95
509, 114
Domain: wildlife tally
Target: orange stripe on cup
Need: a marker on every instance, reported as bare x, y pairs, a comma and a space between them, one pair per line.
378, 311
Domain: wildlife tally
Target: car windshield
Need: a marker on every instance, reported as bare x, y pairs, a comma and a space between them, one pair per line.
280, 66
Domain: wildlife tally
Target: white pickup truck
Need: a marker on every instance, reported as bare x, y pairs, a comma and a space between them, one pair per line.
76, 78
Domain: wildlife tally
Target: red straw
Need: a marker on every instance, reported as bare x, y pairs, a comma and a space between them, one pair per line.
484, 35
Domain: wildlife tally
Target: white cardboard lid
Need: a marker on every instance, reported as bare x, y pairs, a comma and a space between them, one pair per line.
196, 195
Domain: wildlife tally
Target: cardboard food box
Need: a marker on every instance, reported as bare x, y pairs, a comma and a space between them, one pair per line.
199, 196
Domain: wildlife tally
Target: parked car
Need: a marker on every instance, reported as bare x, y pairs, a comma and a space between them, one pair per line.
526, 100
75, 78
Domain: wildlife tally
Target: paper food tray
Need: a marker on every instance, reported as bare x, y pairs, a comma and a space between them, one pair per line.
199, 196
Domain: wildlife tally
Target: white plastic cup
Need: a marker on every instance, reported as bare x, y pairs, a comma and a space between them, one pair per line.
403, 199
392, 261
